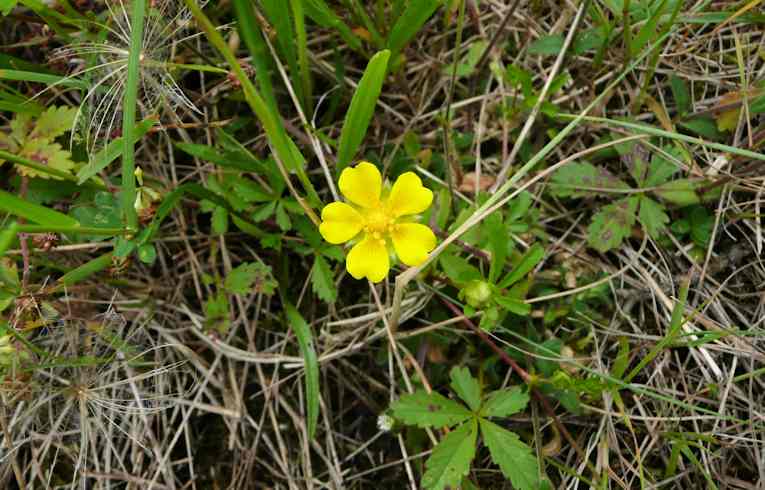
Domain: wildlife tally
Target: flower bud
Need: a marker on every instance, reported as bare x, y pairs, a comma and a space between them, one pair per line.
476, 293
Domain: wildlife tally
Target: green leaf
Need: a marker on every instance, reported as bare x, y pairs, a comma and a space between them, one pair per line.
580, 179
467, 64
458, 269
466, 386
662, 168
322, 280
547, 45
320, 13
53, 123
496, 234
282, 218
415, 15
220, 220
34, 212
225, 159
612, 224
361, 109
702, 224
6, 6
652, 216
515, 459
703, 126
429, 410
513, 305
681, 192
305, 341
503, 403
451, 458
47, 155
107, 155
530, 259
248, 277
681, 94
103, 211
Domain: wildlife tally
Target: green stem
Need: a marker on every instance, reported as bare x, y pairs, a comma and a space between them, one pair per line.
128, 114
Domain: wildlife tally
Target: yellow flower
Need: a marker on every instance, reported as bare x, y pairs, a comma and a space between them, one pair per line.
380, 218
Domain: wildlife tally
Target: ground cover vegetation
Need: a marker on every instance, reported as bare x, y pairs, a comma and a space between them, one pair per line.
440, 244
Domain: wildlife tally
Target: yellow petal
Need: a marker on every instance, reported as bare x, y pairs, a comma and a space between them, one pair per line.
409, 196
339, 222
368, 258
413, 242
361, 184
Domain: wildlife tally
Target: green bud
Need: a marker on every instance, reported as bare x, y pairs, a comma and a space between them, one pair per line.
476, 293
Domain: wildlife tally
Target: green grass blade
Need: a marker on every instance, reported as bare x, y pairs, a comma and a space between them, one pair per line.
113, 150
362, 108
249, 29
298, 15
84, 271
128, 115
34, 212
320, 13
410, 22
7, 236
305, 340
30, 76
279, 14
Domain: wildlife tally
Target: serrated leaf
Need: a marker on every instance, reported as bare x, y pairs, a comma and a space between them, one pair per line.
322, 280
547, 45
53, 123
282, 218
578, 179
702, 224
496, 235
652, 216
248, 277
612, 224
429, 410
451, 458
466, 387
503, 403
467, 64
515, 459
46, 154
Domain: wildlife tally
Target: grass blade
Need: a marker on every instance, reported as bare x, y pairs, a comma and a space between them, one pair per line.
362, 108
110, 153
305, 340
414, 17
34, 212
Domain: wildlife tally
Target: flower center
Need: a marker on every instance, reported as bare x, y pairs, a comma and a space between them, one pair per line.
378, 224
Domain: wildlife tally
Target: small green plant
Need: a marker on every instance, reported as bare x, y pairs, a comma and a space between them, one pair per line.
33, 139
613, 222
451, 458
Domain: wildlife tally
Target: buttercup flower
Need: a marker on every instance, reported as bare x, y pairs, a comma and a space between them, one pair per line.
378, 218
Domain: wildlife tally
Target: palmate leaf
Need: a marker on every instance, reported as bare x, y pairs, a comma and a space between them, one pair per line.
429, 410
466, 386
612, 224
451, 458
514, 458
